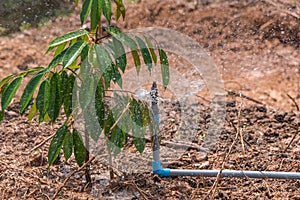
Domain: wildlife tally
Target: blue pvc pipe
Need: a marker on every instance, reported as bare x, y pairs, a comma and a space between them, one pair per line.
166, 172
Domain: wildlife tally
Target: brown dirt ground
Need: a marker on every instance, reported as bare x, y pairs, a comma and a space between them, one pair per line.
256, 47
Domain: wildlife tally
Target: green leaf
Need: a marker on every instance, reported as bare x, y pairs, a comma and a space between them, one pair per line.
122, 37
119, 54
42, 100
117, 139
99, 105
145, 53
96, 13
56, 144
137, 61
116, 76
64, 82
57, 59
32, 112
4, 81
68, 144
92, 125
55, 100
65, 38
86, 92
68, 93
164, 67
105, 63
136, 112
79, 149
107, 10
72, 53
84, 52
151, 49
60, 48
10, 92
138, 131
76, 2
86, 7
28, 92
139, 140
1, 116
125, 39
120, 9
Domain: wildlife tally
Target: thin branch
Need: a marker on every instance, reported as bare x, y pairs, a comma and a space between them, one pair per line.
125, 91
230, 92
295, 135
39, 145
294, 101
70, 175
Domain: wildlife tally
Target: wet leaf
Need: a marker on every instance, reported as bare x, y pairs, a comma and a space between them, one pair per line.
68, 93
56, 144
105, 63
86, 92
55, 100
107, 9
79, 149
10, 91
99, 105
92, 125
138, 131
42, 100
28, 92
65, 38
145, 52
164, 67
68, 144
116, 76
119, 54
85, 10
151, 49
64, 82
139, 140
117, 140
72, 53
136, 112
109, 122
96, 13
122, 37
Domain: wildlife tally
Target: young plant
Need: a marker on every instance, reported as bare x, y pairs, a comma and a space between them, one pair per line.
79, 80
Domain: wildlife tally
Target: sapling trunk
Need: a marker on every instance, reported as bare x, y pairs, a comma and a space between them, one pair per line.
87, 158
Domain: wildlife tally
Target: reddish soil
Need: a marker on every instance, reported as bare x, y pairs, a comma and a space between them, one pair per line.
256, 47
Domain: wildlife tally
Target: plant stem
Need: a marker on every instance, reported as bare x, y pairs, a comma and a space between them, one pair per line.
99, 32
87, 158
